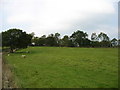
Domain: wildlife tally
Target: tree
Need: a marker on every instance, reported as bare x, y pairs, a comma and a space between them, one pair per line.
50, 40
44, 36
32, 34
94, 40
42, 40
95, 44
105, 43
114, 42
79, 38
86, 42
57, 39
15, 39
66, 42
104, 40
94, 37
103, 37
35, 40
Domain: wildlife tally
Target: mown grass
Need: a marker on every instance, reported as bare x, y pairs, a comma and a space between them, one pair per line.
63, 67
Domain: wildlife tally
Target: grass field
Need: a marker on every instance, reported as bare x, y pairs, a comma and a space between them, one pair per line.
63, 67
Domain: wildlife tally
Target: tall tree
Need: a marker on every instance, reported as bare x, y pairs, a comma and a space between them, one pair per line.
94, 37
57, 38
94, 40
50, 40
35, 40
66, 42
104, 40
114, 42
103, 37
42, 40
79, 38
32, 34
15, 38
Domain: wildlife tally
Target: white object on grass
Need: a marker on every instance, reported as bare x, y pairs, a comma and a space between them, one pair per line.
23, 56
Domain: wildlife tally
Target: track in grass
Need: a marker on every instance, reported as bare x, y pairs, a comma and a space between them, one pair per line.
63, 67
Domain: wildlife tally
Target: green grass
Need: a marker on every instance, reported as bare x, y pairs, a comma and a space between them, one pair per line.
63, 67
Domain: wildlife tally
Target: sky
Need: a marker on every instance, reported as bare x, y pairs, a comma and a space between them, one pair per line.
62, 16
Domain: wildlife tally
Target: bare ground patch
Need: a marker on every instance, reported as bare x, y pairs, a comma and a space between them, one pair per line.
7, 76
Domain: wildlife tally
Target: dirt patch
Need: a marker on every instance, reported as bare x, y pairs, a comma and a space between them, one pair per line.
7, 75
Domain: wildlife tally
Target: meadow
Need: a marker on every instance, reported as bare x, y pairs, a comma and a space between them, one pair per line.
65, 67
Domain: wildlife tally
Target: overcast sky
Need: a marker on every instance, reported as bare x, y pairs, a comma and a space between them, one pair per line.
62, 16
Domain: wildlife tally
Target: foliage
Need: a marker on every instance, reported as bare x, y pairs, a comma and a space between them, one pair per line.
103, 37
66, 42
77, 39
15, 38
114, 42
94, 37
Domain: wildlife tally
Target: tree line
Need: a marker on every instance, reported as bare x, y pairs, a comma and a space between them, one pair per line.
77, 39
16, 39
